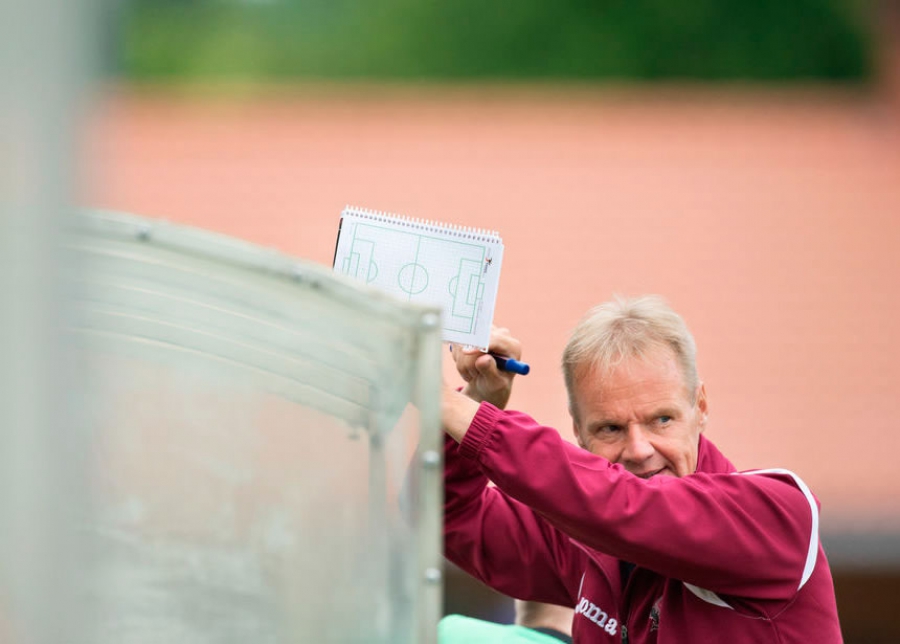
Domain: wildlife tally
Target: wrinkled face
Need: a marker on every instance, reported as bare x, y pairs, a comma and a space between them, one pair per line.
640, 415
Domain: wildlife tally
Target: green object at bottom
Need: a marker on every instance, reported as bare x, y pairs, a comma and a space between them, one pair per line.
457, 629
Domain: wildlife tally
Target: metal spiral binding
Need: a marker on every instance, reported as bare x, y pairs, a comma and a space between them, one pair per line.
416, 223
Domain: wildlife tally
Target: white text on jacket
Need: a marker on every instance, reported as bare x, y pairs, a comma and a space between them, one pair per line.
596, 615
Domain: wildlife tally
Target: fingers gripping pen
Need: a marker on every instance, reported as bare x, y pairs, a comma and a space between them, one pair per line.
508, 364
511, 364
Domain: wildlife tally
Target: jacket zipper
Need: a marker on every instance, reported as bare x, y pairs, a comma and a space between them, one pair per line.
625, 605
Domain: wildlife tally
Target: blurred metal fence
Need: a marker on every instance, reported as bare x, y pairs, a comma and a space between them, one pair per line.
43, 72
200, 440
255, 448
252, 428
251, 420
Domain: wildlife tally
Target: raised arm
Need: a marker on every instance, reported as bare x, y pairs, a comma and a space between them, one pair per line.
749, 535
483, 382
496, 539
502, 542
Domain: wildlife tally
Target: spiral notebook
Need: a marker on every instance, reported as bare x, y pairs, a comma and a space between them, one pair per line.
454, 267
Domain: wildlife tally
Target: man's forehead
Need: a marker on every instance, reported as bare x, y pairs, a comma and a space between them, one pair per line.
653, 379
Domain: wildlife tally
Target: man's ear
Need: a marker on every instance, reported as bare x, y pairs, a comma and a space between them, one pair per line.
702, 405
577, 435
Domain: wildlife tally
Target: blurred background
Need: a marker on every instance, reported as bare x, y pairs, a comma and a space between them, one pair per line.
741, 159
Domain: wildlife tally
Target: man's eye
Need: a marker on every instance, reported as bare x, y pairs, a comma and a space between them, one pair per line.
664, 420
607, 429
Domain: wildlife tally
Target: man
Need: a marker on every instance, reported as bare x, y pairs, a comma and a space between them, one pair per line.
536, 623
646, 528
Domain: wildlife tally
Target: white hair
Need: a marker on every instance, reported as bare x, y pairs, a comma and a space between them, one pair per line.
628, 328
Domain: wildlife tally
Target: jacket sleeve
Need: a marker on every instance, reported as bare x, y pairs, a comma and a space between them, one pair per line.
749, 535
502, 542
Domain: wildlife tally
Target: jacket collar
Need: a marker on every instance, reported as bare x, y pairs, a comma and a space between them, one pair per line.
710, 460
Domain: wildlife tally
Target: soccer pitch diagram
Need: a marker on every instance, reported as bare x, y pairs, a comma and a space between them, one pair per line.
420, 266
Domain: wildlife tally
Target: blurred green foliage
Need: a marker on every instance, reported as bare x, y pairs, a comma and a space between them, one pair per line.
469, 39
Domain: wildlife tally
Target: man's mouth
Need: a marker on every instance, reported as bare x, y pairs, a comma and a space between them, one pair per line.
651, 473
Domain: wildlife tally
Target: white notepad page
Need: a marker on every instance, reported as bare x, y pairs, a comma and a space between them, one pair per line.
454, 267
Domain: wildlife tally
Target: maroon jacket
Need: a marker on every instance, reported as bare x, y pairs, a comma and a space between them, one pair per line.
721, 556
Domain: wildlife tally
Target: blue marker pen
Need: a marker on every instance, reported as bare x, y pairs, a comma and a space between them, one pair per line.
511, 364
508, 364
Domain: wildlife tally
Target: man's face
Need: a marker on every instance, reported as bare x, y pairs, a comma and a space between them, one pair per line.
641, 415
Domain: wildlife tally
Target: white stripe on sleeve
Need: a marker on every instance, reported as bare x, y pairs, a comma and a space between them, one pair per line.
813, 551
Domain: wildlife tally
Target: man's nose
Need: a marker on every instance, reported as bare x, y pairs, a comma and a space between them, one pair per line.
638, 448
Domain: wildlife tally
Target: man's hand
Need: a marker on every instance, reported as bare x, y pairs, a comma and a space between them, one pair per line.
457, 412
484, 381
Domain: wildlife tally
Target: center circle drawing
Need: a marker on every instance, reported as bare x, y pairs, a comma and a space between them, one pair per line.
413, 278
